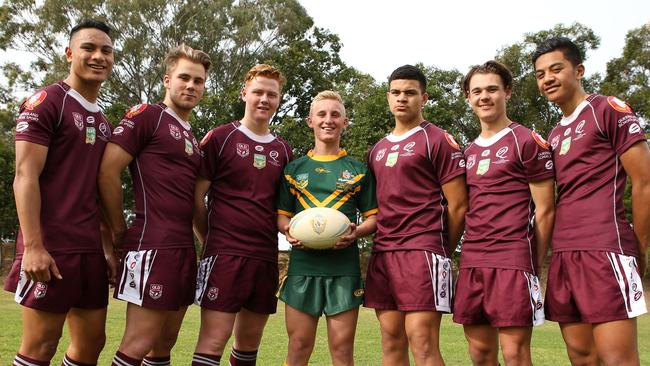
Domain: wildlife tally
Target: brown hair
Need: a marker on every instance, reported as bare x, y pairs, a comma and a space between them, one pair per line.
186, 52
326, 95
266, 71
490, 67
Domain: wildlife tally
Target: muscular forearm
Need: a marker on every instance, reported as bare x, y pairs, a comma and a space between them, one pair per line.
27, 193
456, 223
544, 220
367, 227
641, 215
200, 221
110, 191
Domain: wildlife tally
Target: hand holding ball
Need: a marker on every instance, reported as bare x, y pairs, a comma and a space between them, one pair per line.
319, 227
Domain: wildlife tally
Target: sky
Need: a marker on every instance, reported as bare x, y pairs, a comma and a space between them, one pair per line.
379, 36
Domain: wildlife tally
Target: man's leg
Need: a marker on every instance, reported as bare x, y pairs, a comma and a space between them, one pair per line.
341, 329
616, 342
515, 344
483, 344
580, 344
301, 328
394, 342
41, 333
87, 334
216, 328
162, 348
143, 328
423, 330
249, 327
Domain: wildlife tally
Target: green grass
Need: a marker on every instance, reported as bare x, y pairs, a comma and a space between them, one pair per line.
548, 348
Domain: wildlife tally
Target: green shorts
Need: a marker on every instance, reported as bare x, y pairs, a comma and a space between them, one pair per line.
316, 295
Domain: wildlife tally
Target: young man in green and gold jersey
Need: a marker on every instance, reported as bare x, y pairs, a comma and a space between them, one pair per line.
325, 281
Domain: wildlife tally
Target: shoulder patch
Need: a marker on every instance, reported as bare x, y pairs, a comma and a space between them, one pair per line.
206, 138
540, 140
452, 141
619, 105
135, 110
35, 100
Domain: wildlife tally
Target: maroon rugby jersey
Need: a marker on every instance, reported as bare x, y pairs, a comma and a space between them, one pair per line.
410, 170
245, 171
586, 146
166, 160
498, 226
75, 132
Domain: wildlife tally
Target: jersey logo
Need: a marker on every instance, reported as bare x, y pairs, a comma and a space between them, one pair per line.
549, 165
634, 128
580, 127
36, 99
302, 180
174, 131
408, 149
259, 161
483, 166
189, 148
103, 128
274, 155
452, 141
471, 160
118, 130
619, 105
380, 154
91, 135
40, 290
78, 120
320, 170
501, 153
540, 140
555, 142
213, 292
22, 126
566, 145
358, 292
155, 291
391, 160
259, 148
135, 110
243, 149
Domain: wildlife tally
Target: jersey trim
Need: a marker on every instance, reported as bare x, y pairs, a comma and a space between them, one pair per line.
182, 122
565, 121
486, 142
269, 137
285, 213
374, 211
90, 107
296, 190
326, 158
409, 133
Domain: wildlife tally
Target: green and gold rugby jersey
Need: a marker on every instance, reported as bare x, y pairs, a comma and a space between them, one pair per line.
335, 181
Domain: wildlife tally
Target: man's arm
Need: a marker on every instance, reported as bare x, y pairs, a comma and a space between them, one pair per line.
283, 227
543, 194
114, 161
30, 160
367, 227
455, 192
636, 162
200, 220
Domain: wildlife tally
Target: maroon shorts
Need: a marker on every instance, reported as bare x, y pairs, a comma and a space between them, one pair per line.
229, 283
84, 285
593, 287
161, 279
409, 280
498, 297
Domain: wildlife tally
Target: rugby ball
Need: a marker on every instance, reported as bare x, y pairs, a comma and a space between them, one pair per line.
319, 227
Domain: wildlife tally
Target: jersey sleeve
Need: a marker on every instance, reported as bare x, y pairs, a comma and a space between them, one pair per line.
367, 199
136, 128
447, 158
38, 118
536, 158
285, 201
621, 125
210, 146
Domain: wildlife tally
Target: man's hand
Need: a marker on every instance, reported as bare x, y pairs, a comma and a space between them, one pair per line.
293, 241
37, 264
347, 239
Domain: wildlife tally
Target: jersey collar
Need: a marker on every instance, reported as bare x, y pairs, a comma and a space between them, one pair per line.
341, 153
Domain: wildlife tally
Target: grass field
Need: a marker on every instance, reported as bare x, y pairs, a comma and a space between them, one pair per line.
548, 348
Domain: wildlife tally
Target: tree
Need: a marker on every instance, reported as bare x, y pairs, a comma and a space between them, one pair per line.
527, 106
628, 76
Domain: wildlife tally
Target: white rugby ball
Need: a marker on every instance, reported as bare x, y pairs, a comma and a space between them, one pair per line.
319, 227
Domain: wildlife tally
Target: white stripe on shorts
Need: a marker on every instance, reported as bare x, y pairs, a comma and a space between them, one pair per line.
24, 286
627, 276
440, 273
535, 296
137, 266
202, 276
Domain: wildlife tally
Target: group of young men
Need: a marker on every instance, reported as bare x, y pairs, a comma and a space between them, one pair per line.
418, 192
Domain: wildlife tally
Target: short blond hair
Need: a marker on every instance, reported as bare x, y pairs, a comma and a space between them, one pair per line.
184, 51
326, 95
266, 71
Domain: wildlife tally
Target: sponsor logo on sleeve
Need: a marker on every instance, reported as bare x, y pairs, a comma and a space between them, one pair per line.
619, 105
36, 99
634, 128
22, 127
135, 110
118, 130
549, 165
452, 141
243, 150
540, 140
461, 163
155, 291
175, 132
